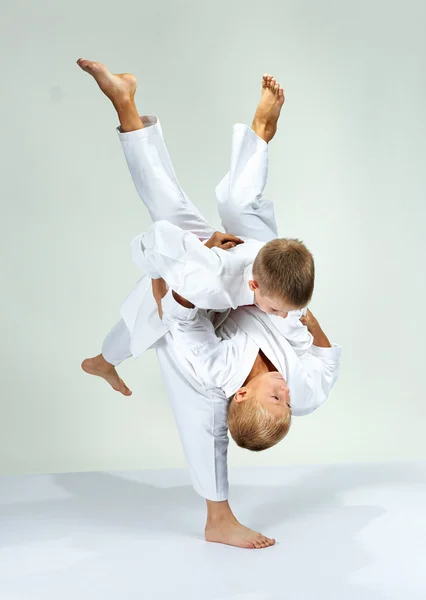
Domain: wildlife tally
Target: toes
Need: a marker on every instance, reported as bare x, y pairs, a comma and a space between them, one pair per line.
266, 542
89, 65
260, 543
86, 65
272, 84
124, 389
265, 81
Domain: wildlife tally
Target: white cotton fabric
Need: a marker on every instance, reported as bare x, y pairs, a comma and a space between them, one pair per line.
223, 358
199, 403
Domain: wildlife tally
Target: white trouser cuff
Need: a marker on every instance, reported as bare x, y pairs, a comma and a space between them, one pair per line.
151, 127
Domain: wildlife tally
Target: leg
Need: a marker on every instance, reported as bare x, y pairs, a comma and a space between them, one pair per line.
201, 421
242, 208
115, 349
147, 156
156, 183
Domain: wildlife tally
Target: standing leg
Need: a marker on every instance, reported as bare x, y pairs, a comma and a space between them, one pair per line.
242, 208
201, 418
146, 154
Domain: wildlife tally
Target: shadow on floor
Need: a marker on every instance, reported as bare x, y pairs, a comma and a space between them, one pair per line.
106, 517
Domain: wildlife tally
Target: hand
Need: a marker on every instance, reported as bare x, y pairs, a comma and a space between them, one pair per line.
223, 241
314, 328
159, 290
310, 321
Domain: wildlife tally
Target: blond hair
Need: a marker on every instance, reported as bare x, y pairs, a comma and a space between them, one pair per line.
253, 427
285, 268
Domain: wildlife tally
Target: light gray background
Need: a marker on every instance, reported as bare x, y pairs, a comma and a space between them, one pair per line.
347, 173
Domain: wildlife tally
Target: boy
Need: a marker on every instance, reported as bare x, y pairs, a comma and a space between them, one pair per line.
210, 278
201, 414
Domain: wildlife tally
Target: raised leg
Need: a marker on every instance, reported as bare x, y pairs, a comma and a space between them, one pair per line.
155, 180
242, 208
146, 154
115, 349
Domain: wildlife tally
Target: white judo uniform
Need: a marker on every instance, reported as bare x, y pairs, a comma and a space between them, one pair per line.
204, 355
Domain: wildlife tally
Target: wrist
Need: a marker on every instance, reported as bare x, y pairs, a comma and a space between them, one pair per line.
314, 327
320, 339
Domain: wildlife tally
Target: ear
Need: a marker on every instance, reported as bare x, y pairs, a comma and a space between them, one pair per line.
241, 395
253, 285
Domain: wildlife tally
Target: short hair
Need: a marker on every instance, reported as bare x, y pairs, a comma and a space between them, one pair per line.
284, 267
253, 427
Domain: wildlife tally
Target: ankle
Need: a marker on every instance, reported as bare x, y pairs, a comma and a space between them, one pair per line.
261, 129
124, 103
219, 513
128, 115
102, 363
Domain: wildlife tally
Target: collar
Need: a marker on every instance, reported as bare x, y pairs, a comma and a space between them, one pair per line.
247, 295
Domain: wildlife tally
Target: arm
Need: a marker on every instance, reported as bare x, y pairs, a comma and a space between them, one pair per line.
184, 262
159, 286
301, 329
319, 338
316, 372
213, 360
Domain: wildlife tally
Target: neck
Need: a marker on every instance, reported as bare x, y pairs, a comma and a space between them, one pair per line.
261, 365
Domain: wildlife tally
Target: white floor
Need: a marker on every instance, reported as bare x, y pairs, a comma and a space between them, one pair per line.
352, 532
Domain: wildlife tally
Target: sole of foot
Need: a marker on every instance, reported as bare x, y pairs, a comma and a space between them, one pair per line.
268, 112
118, 87
100, 368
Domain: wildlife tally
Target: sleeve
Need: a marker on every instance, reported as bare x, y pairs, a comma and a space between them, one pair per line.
313, 379
184, 262
213, 360
242, 207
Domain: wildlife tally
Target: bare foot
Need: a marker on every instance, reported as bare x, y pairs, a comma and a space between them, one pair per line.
118, 88
267, 114
100, 367
232, 533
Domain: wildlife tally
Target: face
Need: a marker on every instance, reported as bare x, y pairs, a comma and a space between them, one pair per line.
271, 306
271, 390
